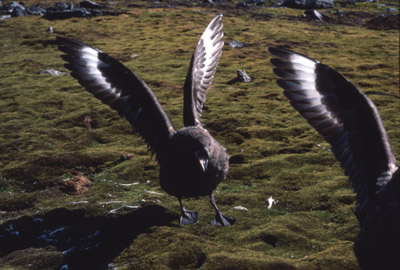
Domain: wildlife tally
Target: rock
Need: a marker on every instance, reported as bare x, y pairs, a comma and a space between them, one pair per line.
69, 13
242, 76
50, 30
235, 44
78, 185
19, 12
52, 72
36, 10
10, 7
91, 5
86, 9
61, 6
60, 10
255, 2
14, 9
308, 4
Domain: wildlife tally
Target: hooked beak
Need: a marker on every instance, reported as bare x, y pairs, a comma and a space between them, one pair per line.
203, 157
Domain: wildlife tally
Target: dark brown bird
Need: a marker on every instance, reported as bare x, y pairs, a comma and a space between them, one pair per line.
350, 122
192, 162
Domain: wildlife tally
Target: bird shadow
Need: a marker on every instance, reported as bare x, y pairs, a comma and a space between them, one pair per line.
85, 242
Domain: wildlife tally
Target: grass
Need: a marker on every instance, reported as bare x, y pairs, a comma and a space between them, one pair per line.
45, 139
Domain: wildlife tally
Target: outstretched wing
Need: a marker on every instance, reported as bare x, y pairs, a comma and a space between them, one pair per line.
344, 116
115, 85
201, 71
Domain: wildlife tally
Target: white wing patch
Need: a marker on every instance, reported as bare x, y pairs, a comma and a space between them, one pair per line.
302, 89
303, 61
210, 49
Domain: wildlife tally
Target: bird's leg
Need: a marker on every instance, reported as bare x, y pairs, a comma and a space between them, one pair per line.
220, 219
187, 216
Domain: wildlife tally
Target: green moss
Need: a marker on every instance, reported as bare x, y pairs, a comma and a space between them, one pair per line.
33, 258
51, 128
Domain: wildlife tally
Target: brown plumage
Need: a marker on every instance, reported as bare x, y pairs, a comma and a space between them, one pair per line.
192, 162
350, 122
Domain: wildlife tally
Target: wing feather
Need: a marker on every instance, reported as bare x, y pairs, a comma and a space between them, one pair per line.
117, 86
344, 116
201, 71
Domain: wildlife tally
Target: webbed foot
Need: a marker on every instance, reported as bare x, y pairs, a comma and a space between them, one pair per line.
188, 217
221, 220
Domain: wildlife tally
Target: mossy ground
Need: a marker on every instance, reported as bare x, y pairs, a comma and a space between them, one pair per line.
51, 128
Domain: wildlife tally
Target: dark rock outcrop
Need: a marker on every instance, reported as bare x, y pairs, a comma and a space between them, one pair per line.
36, 10
91, 5
60, 10
308, 4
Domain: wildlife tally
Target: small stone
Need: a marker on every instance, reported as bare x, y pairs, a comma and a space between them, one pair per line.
242, 76
235, 44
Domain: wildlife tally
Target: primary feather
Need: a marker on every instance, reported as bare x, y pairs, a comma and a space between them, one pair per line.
201, 72
121, 89
350, 122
